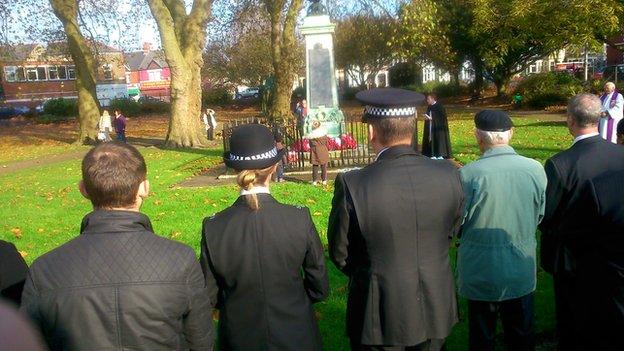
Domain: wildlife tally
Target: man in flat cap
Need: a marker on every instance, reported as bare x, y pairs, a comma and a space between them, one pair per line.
505, 195
389, 231
572, 242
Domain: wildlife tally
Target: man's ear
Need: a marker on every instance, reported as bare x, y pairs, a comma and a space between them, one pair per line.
511, 133
371, 133
144, 189
83, 189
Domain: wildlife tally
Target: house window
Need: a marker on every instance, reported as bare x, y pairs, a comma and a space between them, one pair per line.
41, 73
108, 72
71, 72
53, 73
154, 75
10, 74
31, 74
62, 72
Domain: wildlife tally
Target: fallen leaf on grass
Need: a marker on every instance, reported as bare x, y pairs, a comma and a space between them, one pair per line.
317, 213
174, 235
17, 232
23, 253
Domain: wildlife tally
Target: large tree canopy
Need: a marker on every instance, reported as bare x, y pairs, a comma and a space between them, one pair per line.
362, 46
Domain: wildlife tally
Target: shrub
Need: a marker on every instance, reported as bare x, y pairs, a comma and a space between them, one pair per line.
349, 93
548, 89
61, 107
219, 96
441, 89
48, 118
403, 74
153, 107
127, 106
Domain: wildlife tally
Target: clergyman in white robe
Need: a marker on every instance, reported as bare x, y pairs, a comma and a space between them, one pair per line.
614, 110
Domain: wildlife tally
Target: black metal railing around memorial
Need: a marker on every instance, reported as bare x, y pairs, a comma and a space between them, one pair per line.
350, 149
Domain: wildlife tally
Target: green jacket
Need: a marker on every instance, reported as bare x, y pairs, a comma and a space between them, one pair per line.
505, 199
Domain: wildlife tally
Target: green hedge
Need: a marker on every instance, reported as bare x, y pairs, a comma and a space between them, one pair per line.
128, 106
549, 89
216, 96
48, 118
61, 107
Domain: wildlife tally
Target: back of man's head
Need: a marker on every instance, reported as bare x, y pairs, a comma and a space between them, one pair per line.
112, 173
392, 131
584, 110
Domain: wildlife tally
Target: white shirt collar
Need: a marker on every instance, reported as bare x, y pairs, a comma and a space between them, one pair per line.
381, 152
584, 136
255, 190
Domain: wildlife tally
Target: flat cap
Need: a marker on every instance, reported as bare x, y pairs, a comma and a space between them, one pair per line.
493, 121
389, 103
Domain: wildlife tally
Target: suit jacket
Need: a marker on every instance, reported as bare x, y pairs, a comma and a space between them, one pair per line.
13, 271
389, 230
568, 172
118, 286
436, 138
265, 269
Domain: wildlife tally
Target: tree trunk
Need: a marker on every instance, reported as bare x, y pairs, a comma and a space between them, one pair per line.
283, 42
478, 80
88, 105
183, 38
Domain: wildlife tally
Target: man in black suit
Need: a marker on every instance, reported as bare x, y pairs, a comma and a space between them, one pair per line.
436, 138
568, 173
389, 230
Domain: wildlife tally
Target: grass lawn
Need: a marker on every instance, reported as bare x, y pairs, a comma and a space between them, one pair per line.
40, 209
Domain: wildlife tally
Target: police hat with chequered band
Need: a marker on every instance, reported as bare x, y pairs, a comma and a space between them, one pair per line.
389, 103
252, 146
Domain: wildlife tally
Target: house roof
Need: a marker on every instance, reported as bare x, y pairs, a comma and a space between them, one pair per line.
17, 52
141, 60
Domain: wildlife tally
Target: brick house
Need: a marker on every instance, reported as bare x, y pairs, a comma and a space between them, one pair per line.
147, 73
31, 73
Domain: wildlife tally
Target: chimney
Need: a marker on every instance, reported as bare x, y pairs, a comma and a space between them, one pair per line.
147, 47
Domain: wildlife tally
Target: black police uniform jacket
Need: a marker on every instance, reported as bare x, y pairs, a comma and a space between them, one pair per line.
389, 231
436, 137
118, 286
265, 269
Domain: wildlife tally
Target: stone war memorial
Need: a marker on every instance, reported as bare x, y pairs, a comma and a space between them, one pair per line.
321, 87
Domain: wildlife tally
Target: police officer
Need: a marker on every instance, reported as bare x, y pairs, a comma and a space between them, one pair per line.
389, 231
263, 260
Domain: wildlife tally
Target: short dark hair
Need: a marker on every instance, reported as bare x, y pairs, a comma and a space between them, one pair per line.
112, 173
585, 109
432, 94
390, 130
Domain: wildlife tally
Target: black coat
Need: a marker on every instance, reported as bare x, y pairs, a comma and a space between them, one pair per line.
118, 286
436, 138
598, 297
13, 271
389, 230
267, 268
568, 173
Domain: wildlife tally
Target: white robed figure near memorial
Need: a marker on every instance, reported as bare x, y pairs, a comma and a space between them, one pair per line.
612, 112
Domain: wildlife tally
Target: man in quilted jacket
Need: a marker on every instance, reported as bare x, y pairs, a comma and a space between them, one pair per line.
117, 285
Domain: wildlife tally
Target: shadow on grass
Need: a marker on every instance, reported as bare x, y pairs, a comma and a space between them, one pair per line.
543, 124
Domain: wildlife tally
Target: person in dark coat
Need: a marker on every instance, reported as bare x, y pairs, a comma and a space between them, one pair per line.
120, 126
562, 247
263, 260
117, 285
436, 138
598, 295
390, 230
319, 151
13, 271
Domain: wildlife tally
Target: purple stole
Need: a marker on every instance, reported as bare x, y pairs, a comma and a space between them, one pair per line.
610, 120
